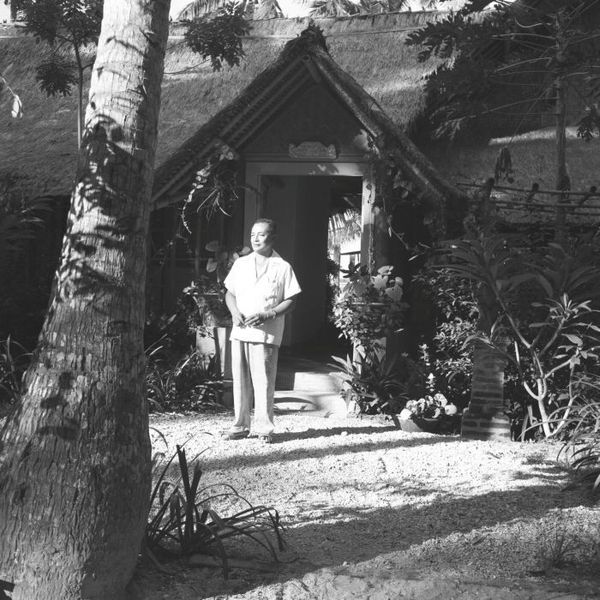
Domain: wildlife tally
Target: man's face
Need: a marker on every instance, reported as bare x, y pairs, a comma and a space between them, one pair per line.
262, 239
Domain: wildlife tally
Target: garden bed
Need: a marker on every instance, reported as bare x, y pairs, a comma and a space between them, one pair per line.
371, 510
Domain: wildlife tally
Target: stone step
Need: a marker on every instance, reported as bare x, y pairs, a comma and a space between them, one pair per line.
326, 403
306, 375
317, 382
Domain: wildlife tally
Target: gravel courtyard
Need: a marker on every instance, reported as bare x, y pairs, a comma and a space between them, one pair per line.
375, 513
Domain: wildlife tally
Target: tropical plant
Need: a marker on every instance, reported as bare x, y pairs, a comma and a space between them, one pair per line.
345, 8
208, 292
369, 308
455, 315
540, 317
184, 517
373, 384
519, 59
68, 27
218, 37
216, 188
192, 382
582, 445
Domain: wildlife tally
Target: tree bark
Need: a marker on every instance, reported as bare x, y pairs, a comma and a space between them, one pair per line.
75, 454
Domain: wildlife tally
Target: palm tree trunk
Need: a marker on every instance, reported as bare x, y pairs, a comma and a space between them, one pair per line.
75, 455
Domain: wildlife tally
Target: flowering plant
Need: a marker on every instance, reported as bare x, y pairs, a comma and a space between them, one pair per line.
369, 307
208, 291
429, 407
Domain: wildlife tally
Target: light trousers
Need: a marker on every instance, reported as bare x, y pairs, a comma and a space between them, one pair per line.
254, 368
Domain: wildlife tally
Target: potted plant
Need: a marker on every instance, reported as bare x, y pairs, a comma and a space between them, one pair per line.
208, 292
369, 308
431, 413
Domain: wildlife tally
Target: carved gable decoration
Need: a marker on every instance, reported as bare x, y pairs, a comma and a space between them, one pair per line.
312, 150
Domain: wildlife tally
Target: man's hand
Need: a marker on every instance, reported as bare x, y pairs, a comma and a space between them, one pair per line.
257, 318
237, 318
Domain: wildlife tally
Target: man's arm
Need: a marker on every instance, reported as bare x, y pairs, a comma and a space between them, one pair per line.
284, 307
236, 315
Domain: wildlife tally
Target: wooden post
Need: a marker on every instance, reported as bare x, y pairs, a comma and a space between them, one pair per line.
563, 182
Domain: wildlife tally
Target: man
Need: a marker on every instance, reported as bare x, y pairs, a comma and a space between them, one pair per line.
261, 289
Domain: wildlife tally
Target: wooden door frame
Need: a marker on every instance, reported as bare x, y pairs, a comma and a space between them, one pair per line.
256, 170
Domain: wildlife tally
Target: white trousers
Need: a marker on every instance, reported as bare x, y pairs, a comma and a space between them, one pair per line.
254, 368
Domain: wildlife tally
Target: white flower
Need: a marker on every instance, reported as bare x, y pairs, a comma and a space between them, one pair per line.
405, 414
440, 399
379, 282
450, 409
395, 293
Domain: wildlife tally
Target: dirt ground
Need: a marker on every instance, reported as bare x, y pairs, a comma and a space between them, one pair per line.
374, 513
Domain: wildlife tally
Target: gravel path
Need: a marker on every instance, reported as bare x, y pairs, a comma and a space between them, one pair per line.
374, 513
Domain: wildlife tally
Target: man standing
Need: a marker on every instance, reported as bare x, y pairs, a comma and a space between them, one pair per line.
261, 289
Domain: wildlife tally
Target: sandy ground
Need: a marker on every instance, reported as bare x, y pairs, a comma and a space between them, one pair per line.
375, 513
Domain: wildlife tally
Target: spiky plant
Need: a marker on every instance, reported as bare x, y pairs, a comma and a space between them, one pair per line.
183, 520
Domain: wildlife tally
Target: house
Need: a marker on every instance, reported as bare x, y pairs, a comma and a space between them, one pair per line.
320, 115
304, 140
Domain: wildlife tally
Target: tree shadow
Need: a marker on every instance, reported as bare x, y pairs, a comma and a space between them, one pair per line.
347, 535
279, 438
223, 462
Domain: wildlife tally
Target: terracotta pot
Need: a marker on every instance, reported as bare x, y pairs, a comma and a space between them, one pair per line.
445, 424
420, 425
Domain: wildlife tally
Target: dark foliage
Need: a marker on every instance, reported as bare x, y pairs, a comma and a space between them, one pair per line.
56, 21
220, 37
57, 76
505, 64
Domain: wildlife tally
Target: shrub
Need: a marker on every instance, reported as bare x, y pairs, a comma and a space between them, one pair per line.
373, 384
582, 444
369, 308
192, 382
447, 355
550, 334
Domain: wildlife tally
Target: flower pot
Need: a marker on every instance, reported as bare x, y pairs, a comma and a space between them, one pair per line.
445, 424
421, 425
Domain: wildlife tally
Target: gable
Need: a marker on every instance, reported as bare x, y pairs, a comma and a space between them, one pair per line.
313, 115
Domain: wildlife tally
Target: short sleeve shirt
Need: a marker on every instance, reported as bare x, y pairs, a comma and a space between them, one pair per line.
261, 291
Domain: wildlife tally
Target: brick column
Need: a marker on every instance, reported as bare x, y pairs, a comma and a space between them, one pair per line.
484, 418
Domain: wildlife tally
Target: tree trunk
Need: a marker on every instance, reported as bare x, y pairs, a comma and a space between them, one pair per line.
75, 455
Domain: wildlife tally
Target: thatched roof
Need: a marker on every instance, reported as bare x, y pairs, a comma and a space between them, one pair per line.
42, 146
304, 60
371, 49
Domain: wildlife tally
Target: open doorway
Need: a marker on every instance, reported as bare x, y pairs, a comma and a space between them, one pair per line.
319, 220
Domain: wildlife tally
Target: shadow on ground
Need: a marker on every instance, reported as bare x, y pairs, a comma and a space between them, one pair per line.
245, 460
348, 535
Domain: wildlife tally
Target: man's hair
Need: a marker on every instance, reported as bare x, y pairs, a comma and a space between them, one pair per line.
272, 225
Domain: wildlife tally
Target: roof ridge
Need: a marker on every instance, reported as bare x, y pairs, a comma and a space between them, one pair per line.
306, 41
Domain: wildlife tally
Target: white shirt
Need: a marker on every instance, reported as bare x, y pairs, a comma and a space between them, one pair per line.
260, 289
